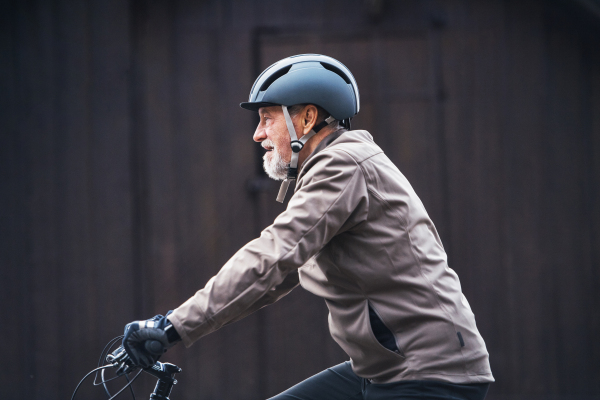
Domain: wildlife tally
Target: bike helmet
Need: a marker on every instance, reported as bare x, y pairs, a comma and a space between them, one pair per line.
306, 79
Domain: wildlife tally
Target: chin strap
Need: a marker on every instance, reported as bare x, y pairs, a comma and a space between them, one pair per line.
297, 146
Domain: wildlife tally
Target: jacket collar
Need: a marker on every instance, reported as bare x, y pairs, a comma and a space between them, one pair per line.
323, 144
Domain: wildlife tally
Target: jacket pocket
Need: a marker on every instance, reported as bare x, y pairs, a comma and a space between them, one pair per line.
382, 333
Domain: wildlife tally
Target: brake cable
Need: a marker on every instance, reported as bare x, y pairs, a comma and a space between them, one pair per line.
102, 357
84, 378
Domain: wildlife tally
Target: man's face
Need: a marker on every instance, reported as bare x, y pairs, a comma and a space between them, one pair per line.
273, 135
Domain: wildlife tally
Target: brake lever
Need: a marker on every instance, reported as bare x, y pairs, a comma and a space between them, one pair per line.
120, 358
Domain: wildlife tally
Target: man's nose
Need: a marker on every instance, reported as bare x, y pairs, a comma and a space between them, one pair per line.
259, 134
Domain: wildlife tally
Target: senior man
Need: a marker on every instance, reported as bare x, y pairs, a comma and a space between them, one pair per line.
354, 233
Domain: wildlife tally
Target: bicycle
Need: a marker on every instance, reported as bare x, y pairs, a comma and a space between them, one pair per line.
164, 372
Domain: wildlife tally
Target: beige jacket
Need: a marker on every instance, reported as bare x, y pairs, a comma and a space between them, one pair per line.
356, 234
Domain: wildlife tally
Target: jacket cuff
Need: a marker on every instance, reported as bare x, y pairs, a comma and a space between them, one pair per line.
189, 322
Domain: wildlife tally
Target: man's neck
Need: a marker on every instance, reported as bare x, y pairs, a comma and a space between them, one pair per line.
313, 142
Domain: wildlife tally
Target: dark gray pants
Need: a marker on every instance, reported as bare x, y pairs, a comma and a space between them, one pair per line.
341, 383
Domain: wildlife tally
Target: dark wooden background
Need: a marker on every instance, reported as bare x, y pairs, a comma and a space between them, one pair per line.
128, 176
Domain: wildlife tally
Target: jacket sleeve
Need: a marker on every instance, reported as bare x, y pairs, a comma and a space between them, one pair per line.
289, 283
331, 196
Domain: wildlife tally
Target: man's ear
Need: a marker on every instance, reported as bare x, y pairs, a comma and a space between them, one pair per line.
309, 119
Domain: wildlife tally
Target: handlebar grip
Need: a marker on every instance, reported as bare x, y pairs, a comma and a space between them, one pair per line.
154, 347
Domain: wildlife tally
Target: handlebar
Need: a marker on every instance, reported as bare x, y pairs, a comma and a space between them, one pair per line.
165, 372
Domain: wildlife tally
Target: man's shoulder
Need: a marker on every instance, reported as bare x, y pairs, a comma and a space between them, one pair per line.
359, 145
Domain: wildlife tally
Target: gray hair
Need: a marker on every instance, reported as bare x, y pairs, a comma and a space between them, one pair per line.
321, 114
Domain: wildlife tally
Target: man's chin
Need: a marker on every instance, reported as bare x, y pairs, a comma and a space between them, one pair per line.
275, 176
275, 173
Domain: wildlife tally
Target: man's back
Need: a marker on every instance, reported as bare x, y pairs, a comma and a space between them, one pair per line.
386, 264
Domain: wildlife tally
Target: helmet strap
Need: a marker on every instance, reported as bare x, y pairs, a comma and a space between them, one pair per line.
296, 146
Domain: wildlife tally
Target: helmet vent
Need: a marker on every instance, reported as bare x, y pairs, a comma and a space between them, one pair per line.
336, 71
274, 77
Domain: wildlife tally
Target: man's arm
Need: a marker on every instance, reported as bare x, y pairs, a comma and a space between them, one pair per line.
333, 195
289, 283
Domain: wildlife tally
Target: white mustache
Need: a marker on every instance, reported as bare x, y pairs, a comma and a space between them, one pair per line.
267, 143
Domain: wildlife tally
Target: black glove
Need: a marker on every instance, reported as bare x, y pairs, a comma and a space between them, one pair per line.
146, 341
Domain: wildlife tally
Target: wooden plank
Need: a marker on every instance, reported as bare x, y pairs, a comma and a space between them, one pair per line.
41, 138
594, 187
73, 231
160, 248
193, 152
565, 230
153, 174
110, 177
521, 187
14, 240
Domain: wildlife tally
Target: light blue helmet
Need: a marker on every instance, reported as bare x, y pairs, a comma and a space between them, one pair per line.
307, 79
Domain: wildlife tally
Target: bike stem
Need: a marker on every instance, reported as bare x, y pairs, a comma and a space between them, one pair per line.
165, 372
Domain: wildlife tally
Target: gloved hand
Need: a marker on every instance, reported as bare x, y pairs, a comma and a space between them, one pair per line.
146, 341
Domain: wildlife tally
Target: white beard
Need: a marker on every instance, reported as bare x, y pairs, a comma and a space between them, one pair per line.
274, 165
